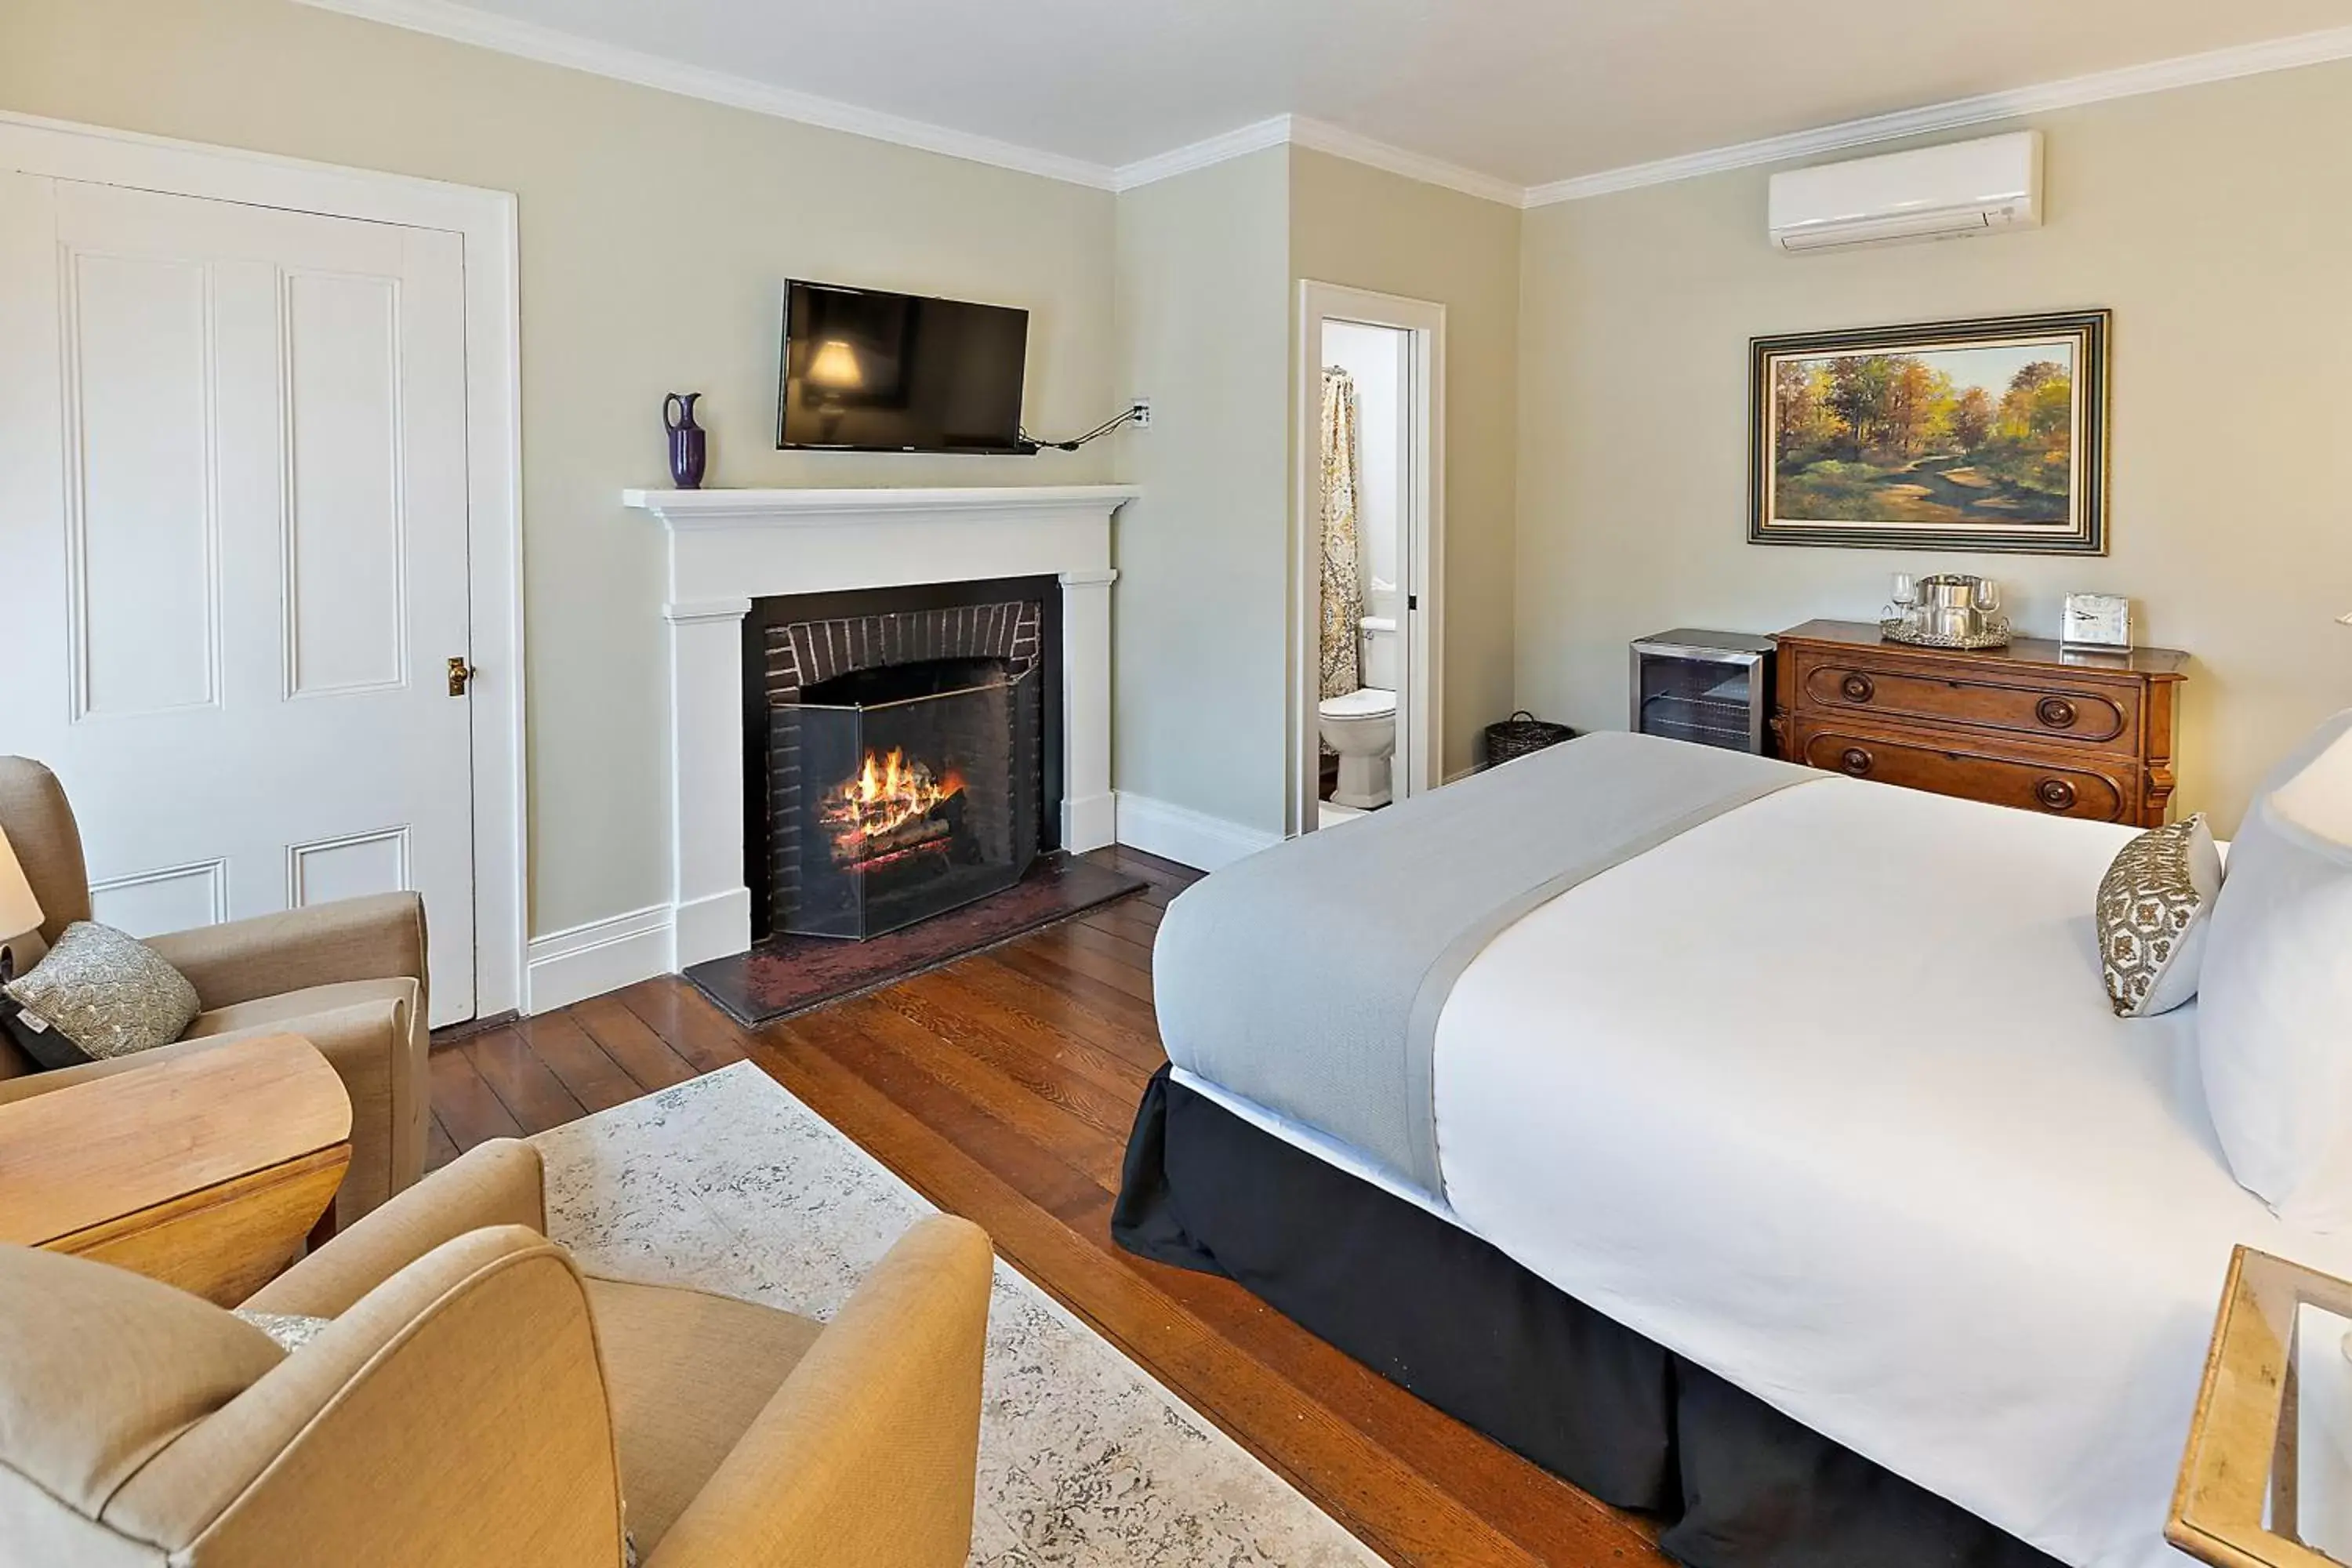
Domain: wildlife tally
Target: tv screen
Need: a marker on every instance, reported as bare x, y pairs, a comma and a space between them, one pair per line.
895, 372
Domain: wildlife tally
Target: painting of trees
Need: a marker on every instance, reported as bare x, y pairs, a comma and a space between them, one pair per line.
1922, 437
1987, 434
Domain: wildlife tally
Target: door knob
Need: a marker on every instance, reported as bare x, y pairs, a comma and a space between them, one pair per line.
461, 675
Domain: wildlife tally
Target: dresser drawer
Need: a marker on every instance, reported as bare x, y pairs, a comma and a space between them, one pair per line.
2068, 712
2073, 787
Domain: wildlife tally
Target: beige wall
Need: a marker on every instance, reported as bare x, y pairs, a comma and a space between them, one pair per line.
655, 233
2216, 222
1367, 229
1203, 557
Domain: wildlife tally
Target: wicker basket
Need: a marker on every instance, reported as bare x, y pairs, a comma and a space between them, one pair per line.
1520, 733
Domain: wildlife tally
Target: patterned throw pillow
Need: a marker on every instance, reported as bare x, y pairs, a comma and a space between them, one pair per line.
292, 1330
99, 993
2155, 903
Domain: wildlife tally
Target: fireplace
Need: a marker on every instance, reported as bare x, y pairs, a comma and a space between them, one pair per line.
900, 752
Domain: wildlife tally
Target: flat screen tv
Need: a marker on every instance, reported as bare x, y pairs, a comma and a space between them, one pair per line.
870, 371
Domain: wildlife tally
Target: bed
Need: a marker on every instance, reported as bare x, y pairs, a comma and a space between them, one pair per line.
1793, 1176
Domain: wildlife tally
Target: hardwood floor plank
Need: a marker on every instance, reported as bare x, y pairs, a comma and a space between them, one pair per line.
1087, 977
533, 1096
1126, 918
1051, 1181
997, 976
439, 1147
643, 1055
468, 1108
578, 1062
865, 1030
1109, 1107
1125, 950
688, 1020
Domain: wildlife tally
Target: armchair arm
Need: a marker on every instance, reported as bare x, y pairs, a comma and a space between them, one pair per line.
868, 1452
498, 1183
380, 937
457, 1413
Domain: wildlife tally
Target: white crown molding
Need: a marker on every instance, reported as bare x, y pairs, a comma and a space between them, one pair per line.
1298, 130
465, 25
1241, 143
1340, 144
2130, 82
548, 46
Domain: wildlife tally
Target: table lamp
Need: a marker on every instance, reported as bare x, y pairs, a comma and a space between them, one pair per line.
20, 916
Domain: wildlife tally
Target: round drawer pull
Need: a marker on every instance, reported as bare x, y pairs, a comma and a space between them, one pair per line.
1857, 688
2056, 794
1855, 760
2056, 713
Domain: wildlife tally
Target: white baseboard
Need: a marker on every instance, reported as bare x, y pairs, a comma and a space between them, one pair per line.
1188, 838
1089, 823
603, 955
712, 927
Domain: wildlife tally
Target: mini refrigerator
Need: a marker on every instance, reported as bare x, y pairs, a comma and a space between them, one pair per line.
1713, 688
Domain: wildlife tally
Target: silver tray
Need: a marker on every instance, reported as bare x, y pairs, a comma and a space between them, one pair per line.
1995, 635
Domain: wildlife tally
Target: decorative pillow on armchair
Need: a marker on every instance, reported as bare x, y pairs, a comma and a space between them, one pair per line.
98, 994
2155, 903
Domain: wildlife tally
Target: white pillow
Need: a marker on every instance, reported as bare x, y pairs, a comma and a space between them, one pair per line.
2274, 993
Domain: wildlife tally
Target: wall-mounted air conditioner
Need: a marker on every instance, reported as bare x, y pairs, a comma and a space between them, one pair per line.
1951, 192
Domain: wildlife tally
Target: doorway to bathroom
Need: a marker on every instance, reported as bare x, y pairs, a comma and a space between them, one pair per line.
1366, 623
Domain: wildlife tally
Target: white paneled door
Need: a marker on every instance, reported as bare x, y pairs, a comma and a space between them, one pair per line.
233, 568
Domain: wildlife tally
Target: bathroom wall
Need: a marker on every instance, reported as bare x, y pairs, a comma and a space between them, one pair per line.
1374, 358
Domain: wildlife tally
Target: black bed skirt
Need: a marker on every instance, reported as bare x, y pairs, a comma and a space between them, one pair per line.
1438, 1311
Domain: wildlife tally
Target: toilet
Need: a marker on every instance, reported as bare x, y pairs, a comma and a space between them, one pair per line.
1361, 725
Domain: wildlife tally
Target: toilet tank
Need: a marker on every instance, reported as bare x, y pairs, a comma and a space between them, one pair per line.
1381, 662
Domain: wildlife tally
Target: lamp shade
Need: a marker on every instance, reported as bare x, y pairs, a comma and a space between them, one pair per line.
836, 365
19, 910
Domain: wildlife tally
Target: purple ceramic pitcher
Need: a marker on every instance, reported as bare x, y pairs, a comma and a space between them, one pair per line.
688, 442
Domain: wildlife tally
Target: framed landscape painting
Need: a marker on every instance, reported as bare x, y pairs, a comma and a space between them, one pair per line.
1966, 435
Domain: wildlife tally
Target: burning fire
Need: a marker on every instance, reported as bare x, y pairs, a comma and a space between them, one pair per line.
886, 805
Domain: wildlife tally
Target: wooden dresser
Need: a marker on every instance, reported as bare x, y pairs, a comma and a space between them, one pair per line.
2063, 732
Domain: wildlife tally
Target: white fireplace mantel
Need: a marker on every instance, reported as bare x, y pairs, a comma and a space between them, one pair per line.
730, 547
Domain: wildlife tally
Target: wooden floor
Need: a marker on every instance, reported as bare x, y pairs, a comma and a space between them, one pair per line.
1003, 1087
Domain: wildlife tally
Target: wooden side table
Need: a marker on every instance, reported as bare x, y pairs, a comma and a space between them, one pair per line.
206, 1170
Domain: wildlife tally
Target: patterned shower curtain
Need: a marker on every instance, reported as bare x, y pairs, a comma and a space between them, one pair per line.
1343, 577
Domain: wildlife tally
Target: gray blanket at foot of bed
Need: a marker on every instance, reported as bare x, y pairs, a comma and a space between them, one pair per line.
1308, 978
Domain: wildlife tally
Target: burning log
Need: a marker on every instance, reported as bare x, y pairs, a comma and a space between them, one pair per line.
889, 807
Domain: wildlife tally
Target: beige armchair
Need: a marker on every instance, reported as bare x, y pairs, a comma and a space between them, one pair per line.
477, 1401
348, 976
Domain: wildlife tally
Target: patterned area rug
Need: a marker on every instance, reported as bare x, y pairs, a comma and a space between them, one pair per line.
788, 974
730, 1183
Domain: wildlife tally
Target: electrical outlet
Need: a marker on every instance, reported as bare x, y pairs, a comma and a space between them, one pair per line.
1143, 407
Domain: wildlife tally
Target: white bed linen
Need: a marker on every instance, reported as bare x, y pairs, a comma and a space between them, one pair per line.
1825, 1095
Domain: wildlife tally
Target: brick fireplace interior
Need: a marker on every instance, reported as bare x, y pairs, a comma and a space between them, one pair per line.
901, 750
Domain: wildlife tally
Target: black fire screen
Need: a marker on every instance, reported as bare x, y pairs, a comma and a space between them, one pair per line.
918, 793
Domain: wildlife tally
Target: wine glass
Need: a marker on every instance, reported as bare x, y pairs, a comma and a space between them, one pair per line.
1905, 592
1987, 595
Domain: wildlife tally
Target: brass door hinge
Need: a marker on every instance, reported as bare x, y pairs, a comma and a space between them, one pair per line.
461, 675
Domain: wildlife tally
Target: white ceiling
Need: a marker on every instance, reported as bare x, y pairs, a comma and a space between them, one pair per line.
1528, 91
